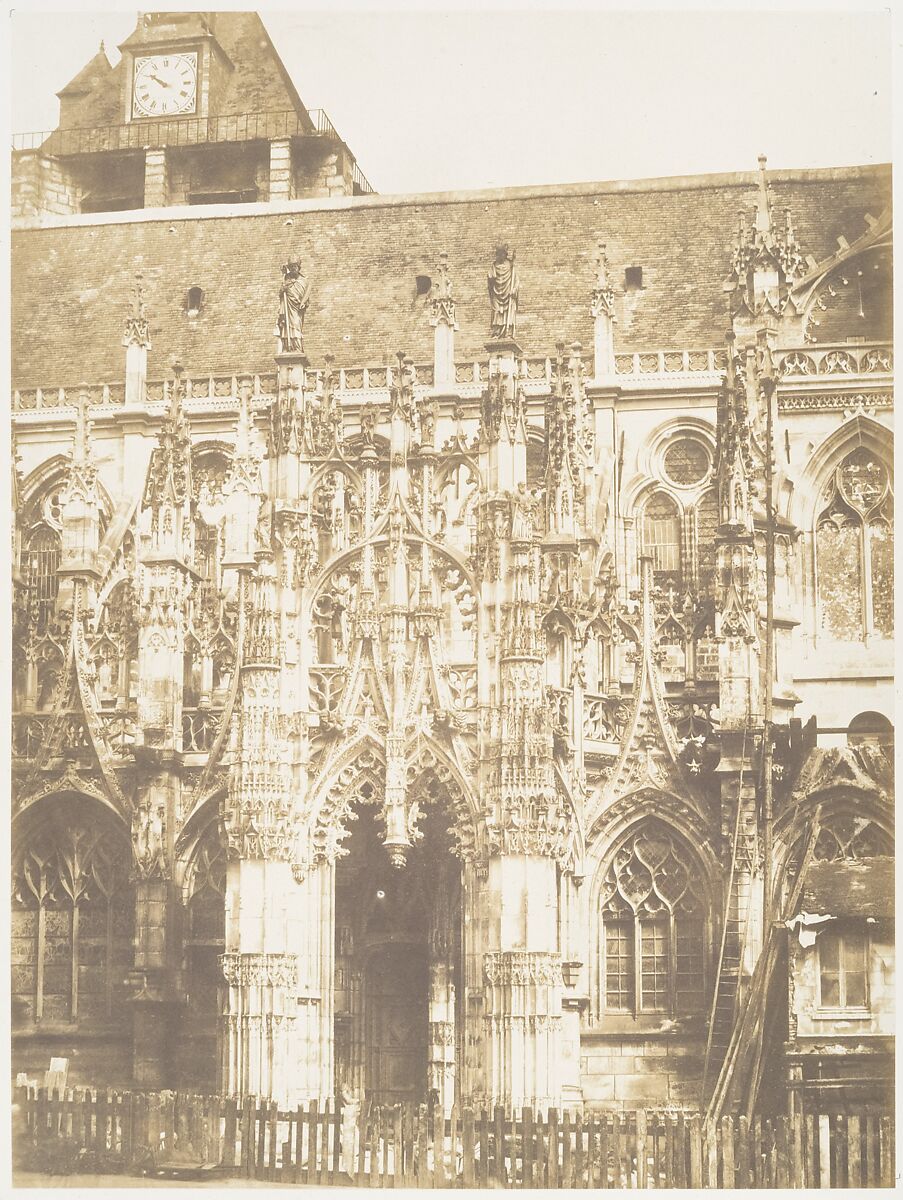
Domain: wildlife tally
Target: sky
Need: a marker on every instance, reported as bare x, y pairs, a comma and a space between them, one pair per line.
436, 99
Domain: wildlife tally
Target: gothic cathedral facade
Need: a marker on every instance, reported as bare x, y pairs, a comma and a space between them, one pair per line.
452, 635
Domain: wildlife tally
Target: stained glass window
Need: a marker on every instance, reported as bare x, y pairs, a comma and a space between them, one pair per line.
854, 550
653, 926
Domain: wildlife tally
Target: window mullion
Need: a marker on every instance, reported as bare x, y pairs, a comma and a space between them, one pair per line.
672, 964
865, 557
637, 965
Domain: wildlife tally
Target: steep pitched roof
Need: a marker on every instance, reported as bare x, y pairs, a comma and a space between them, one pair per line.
94, 73
71, 284
257, 82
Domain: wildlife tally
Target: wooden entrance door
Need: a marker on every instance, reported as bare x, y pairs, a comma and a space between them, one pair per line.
397, 1017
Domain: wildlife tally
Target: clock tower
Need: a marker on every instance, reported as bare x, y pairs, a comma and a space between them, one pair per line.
199, 110
173, 65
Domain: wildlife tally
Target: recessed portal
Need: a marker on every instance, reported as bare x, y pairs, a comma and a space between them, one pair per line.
398, 955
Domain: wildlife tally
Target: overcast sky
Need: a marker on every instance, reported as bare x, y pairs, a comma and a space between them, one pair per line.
438, 98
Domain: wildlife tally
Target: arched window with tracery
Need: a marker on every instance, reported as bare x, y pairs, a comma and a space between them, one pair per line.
40, 563
706, 524
661, 538
71, 919
854, 535
653, 922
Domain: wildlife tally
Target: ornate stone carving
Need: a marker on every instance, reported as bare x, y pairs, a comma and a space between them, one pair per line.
521, 968
260, 970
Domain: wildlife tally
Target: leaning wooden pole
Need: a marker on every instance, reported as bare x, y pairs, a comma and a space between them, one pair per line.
768, 388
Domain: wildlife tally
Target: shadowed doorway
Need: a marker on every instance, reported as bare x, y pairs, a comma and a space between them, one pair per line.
398, 942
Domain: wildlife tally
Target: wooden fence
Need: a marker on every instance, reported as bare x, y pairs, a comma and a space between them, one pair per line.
409, 1146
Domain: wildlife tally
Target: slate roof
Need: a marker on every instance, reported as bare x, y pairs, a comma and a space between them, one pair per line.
862, 888
71, 284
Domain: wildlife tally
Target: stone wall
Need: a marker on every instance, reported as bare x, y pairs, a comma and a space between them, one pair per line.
620, 1072
41, 186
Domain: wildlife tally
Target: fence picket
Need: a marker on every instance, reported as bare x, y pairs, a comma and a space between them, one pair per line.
229, 1123
399, 1146
590, 1129
782, 1152
468, 1163
579, 1180
887, 1151
854, 1152
375, 1114
695, 1153
797, 1162
872, 1157
680, 1151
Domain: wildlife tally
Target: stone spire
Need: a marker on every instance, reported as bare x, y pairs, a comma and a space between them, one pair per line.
243, 486
167, 488
765, 260
602, 310
136, 340
80, 510
736, 591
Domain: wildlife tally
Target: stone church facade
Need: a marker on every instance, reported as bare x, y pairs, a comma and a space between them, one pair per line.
393, 577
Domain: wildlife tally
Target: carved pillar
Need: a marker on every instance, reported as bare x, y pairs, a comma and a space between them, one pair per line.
444, 324
136, 340
602, 310
165, 579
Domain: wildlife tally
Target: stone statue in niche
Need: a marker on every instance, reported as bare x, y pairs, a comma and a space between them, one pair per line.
294, 297
504, 289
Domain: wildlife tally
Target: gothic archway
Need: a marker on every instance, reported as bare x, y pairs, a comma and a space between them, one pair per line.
399, 955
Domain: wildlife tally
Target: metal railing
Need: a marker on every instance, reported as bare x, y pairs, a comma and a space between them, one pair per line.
137, 136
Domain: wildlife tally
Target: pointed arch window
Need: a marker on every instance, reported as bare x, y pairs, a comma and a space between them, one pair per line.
661, 537
854, 550
653, 919
706, 523
40, 563
71, 921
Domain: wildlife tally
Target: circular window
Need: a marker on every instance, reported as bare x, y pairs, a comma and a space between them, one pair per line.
686, 462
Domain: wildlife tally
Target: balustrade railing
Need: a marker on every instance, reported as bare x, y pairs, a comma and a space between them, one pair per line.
836, 361
199, 729
604, 717
670, 362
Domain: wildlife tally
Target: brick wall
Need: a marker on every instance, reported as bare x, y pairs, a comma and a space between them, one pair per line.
71, 285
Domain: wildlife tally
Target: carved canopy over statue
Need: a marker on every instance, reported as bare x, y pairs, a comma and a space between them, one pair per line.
504, 287
294, 297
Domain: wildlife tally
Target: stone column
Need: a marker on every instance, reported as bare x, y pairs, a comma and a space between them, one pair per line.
156, 183
281, 181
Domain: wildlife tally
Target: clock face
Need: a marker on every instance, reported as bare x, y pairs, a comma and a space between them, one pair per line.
165, 84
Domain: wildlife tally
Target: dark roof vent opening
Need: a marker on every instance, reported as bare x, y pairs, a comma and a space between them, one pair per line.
194, 300
633, 278
424, 283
